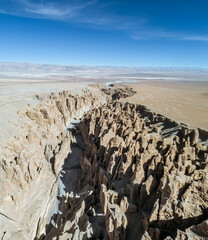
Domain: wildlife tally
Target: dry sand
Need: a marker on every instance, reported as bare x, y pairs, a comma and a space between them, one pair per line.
185, 102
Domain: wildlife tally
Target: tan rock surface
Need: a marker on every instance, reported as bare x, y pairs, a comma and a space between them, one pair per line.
161, 173
30, 163
124, 172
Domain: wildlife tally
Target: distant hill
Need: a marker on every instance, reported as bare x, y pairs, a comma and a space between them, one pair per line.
31, 70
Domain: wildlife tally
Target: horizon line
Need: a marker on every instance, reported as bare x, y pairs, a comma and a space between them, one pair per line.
103, 65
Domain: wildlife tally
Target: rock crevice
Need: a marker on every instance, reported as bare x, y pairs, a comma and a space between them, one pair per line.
31, 161
147, 175
123, 172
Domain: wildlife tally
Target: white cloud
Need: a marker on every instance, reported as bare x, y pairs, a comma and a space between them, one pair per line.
92, 13
49, 10
67, 11
152, 34
195, 38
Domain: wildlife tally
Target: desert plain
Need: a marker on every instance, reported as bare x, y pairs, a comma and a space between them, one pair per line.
185, 102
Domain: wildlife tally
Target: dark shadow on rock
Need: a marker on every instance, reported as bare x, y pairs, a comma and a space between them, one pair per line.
96, 172
170, 227
68, 180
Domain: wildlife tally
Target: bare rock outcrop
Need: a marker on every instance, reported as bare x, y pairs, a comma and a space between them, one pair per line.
122, 173
117, 93
149, 174
31, 162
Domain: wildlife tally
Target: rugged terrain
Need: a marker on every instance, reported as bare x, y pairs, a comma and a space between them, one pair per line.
120, 172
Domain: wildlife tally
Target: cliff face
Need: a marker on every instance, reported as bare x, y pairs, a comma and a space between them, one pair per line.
30, 162
122, 173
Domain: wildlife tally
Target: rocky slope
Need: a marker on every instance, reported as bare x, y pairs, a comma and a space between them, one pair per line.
30, 162
149, 175
122, 173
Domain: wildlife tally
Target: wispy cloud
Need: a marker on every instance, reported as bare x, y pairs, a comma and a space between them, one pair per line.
50, 11
153, 34
92, 13
62, 11
95, 14
47, 9
202, 38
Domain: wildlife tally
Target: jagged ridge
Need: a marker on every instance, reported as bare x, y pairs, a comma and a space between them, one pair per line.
31, 161
145, 177
142, 175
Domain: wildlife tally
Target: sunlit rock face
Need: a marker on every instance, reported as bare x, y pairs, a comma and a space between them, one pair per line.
120, 172
31, 162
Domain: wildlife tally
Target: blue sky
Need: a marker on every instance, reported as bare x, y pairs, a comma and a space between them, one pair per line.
157, 33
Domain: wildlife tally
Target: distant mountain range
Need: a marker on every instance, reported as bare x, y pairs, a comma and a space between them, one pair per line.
31, 70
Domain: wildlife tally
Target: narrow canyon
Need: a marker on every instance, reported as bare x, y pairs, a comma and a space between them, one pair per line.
89, 166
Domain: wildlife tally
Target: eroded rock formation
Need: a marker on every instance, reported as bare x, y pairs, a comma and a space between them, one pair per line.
129, 173
30, 163
145, 177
